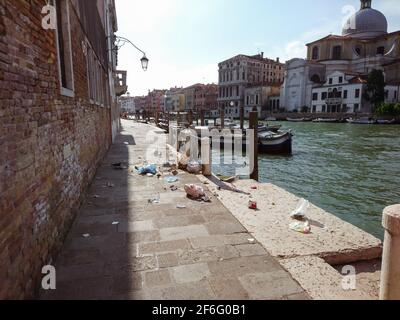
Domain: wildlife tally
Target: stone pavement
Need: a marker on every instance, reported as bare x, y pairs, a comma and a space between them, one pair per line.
157, 251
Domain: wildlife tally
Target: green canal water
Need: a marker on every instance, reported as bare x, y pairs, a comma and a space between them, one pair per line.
352, 171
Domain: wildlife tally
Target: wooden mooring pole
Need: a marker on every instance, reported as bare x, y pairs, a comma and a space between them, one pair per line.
242, 117
254, 151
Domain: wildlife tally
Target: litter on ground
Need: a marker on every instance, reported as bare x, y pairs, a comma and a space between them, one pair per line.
151, 168
302, 227
171, 179
301, 211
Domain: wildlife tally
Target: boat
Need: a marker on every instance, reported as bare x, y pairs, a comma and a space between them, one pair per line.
263, 128
322, 120
299, 120
275, 142
393, 121
295, 120
270, 119
361, 121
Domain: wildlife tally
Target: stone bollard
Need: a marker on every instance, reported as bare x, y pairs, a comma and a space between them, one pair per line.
206, 156
390, 273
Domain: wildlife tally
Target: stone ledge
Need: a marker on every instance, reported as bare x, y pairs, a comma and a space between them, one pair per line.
331, 238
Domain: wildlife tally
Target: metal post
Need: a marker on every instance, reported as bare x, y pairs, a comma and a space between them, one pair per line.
390, 273
242, 117
254, 126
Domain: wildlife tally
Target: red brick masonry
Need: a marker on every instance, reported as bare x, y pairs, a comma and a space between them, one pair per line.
50, 145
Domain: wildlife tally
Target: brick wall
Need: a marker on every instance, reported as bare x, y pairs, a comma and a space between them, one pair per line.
50, 145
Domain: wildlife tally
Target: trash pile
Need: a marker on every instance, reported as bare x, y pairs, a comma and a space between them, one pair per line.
147, 169
300, 214
196, 192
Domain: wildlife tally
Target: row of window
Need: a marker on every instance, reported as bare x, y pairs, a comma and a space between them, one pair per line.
252, 100
227, 92
99, 90
335, 94
337, 52
226, 77
336, 108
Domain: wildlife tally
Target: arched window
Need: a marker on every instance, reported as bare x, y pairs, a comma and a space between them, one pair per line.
337, 53
315, 53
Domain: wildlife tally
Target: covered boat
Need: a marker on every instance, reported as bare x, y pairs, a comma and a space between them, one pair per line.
275, 142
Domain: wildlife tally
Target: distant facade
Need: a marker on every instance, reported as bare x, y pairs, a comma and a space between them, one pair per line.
140, 103
364, 45
155, 101
259, 97
168, 102
127, 104
242, 71
342, 92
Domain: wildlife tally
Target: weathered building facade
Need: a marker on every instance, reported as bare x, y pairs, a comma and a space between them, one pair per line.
58, 116
364, 45
241, 71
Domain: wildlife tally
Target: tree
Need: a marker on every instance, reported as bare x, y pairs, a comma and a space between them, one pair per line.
304, 109
375, 88
389, 109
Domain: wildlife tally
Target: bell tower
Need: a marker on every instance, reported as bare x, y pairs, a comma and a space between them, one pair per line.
366, 4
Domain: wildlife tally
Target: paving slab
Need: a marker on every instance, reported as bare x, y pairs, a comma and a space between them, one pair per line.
134, 248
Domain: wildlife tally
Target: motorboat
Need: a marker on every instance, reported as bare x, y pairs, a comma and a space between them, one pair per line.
299, 119
322, 120
361, 121
393, 121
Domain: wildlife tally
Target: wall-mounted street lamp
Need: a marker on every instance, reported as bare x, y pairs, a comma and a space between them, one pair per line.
121, 41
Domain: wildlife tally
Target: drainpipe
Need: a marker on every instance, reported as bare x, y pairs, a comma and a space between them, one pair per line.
390, 274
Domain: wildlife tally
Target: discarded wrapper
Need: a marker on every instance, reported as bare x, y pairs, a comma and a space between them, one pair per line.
252, 204
194, 191
171, 179
302, 227
194, 167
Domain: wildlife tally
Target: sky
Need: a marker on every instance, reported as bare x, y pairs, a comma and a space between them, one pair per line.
186, 39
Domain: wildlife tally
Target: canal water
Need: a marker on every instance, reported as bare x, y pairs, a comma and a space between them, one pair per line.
352, 171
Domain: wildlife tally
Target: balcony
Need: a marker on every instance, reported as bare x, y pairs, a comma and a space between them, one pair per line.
334, 101
121, 86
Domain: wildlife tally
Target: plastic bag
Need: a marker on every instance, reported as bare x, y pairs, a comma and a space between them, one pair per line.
171, 179
151, 168
194, 167
301, 210
194, 191
302, 227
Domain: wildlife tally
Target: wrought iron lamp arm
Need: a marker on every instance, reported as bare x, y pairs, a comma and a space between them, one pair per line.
130, 42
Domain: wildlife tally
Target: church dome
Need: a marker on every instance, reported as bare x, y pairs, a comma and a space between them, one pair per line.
366, 23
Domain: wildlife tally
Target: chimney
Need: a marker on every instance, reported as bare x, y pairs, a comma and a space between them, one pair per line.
277, 59
262, 54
